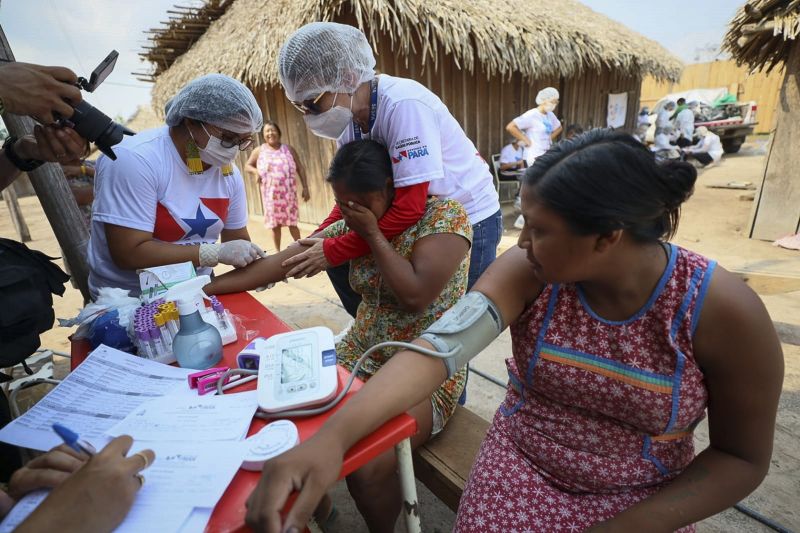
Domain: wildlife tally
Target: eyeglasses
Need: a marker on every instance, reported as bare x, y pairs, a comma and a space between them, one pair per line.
229, 140
308, 107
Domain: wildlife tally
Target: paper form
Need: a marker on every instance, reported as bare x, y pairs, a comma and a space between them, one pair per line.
22, 509
188, 473
183, 476
197, 521
99, 393
187, 418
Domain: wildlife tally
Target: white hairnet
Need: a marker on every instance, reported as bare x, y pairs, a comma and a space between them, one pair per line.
702, 131
324, 56
216, 99
547, 94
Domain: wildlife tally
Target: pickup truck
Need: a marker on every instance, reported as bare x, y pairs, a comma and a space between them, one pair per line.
732, 130
732, 122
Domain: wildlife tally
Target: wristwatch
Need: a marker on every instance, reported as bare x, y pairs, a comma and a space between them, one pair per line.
25, 165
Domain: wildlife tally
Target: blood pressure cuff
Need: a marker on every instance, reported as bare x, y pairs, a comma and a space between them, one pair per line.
465, 329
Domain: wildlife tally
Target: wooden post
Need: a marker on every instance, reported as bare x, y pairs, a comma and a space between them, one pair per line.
776, 210
55, 196
10, 196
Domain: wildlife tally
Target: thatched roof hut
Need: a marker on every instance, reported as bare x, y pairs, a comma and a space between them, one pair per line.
765, 34
481, 57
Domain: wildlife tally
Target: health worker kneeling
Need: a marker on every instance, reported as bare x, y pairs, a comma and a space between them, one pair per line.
174, 191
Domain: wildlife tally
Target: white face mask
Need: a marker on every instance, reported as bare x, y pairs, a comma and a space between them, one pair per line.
332, 123
214, 153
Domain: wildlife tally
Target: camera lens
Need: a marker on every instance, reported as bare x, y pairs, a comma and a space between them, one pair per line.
95, 126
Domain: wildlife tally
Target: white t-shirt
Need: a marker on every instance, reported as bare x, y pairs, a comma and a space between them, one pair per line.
710, 144
427, 144
684, 122
537, 127
149, 188
509, 154
663, 120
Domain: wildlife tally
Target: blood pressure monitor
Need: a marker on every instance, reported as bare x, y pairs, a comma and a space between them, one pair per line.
295, 369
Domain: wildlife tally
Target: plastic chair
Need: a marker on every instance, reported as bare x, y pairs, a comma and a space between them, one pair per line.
496, 171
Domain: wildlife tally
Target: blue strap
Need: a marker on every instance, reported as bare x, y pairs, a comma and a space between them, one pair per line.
698, 305
697, 276
515, 385
373, 109
646, 455
551, 305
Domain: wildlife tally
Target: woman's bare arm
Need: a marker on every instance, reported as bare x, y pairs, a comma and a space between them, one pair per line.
257, 274
404, 381
250, 166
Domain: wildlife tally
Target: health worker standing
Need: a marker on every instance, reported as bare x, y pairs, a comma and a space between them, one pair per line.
328, 73
537, 128
174, 191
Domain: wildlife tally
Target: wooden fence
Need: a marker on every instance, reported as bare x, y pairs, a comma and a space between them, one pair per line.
762, 88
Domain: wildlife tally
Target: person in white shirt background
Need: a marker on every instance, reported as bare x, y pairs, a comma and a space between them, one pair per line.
536, 129
664, 120
512, 157
684, 124
174, 191
539, 127
708, 150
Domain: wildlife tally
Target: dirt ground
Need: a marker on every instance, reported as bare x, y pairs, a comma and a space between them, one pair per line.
714, 223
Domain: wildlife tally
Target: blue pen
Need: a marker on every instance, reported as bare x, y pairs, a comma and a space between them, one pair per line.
72, 440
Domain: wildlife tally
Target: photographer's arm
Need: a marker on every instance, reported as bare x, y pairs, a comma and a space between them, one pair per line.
38, 91
46, 144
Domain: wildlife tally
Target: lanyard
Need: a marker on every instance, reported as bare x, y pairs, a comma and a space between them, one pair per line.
373, 110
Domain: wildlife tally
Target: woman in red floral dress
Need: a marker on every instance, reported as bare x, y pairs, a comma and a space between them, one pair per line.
622, 343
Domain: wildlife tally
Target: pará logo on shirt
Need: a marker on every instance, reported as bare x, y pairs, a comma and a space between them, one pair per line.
415, 153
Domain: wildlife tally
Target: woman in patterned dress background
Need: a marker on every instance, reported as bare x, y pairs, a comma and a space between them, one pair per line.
277, 167
622, 343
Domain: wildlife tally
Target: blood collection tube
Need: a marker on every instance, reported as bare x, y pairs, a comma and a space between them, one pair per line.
155, 338
173, 324
219, 310
145, 349
166, 336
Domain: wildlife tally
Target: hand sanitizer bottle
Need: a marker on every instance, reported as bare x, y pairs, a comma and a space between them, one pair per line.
197, 344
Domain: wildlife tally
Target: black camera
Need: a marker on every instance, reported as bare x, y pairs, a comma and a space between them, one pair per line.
91, 123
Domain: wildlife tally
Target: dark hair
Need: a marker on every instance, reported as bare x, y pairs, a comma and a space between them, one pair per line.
603, 181
274, 125
573, 129
681, 101
362, 165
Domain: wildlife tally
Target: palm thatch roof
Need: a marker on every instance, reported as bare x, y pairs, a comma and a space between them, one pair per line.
557, 37
762, 32
176, 36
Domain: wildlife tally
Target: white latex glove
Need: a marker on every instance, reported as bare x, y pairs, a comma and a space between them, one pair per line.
238, 253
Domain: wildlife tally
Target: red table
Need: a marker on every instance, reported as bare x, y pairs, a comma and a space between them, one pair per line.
229, 513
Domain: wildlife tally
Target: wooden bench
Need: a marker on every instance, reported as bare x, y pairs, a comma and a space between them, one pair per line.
443, 463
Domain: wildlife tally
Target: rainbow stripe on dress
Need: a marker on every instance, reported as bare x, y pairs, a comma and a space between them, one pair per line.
610, 369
